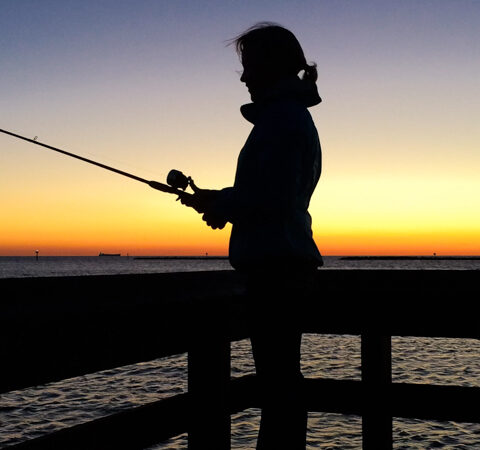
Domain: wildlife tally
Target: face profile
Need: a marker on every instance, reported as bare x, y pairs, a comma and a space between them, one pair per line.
255, 74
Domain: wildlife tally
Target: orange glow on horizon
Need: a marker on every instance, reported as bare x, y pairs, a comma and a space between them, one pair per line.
351, 216
214, 243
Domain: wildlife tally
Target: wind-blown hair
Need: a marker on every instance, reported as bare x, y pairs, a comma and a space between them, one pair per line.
277, 47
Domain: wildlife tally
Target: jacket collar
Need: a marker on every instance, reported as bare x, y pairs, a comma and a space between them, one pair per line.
303, 91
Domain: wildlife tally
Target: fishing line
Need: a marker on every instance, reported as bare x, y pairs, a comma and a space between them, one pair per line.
108, 159
174, 179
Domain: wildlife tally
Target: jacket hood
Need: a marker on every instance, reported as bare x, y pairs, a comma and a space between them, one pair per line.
303, 91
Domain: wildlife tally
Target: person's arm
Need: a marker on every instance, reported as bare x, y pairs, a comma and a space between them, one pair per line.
269, 175
267, 180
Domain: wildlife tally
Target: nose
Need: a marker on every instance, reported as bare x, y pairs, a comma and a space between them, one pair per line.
242, 78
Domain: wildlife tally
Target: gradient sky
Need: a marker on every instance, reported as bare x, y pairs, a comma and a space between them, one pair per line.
147, 86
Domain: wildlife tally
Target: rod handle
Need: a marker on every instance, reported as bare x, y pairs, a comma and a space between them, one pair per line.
165, 188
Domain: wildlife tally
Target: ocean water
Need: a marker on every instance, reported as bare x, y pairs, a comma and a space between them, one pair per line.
32, 412
57, 266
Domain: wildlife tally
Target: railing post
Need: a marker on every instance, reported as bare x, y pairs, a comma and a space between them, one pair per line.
376, 381
208, 383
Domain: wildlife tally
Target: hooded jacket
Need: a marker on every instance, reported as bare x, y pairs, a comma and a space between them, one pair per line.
277, 171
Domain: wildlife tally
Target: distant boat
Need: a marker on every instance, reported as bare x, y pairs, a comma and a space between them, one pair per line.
109, 254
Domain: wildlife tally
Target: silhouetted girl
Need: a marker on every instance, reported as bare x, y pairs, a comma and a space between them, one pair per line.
271, 241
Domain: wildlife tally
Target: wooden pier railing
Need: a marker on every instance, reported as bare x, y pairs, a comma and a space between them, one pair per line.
57, 328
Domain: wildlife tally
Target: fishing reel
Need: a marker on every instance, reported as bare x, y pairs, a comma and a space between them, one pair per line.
178, 180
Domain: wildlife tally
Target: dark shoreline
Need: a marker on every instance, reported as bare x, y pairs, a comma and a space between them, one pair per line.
409, 258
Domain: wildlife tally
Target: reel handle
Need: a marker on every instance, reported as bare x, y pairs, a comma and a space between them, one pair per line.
178, 180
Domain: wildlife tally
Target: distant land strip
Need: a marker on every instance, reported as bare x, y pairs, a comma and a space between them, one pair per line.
439, 258
180, 257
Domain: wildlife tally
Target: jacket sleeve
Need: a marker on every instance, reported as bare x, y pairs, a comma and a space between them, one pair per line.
269, 174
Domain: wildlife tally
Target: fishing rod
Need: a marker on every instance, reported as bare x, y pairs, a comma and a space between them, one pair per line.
177, 181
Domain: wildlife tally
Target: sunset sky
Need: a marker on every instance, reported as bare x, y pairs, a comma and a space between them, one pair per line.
150, 85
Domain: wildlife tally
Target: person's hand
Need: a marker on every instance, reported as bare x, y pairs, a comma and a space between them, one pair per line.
214, 221
195, 201
201, 201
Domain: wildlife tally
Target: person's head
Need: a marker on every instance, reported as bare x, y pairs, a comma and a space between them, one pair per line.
270, 53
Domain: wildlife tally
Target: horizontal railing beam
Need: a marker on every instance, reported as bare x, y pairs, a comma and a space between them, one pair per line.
135, 429
57, 328
156, 422
409, 401
138, 427
433, 402
61, 327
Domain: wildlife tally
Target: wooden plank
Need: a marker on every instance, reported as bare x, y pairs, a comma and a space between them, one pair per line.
135, 429
433, 402
56, 328
208, 386
155, 422
60, 327
376, 382
426, 402
142, 426
406, 400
